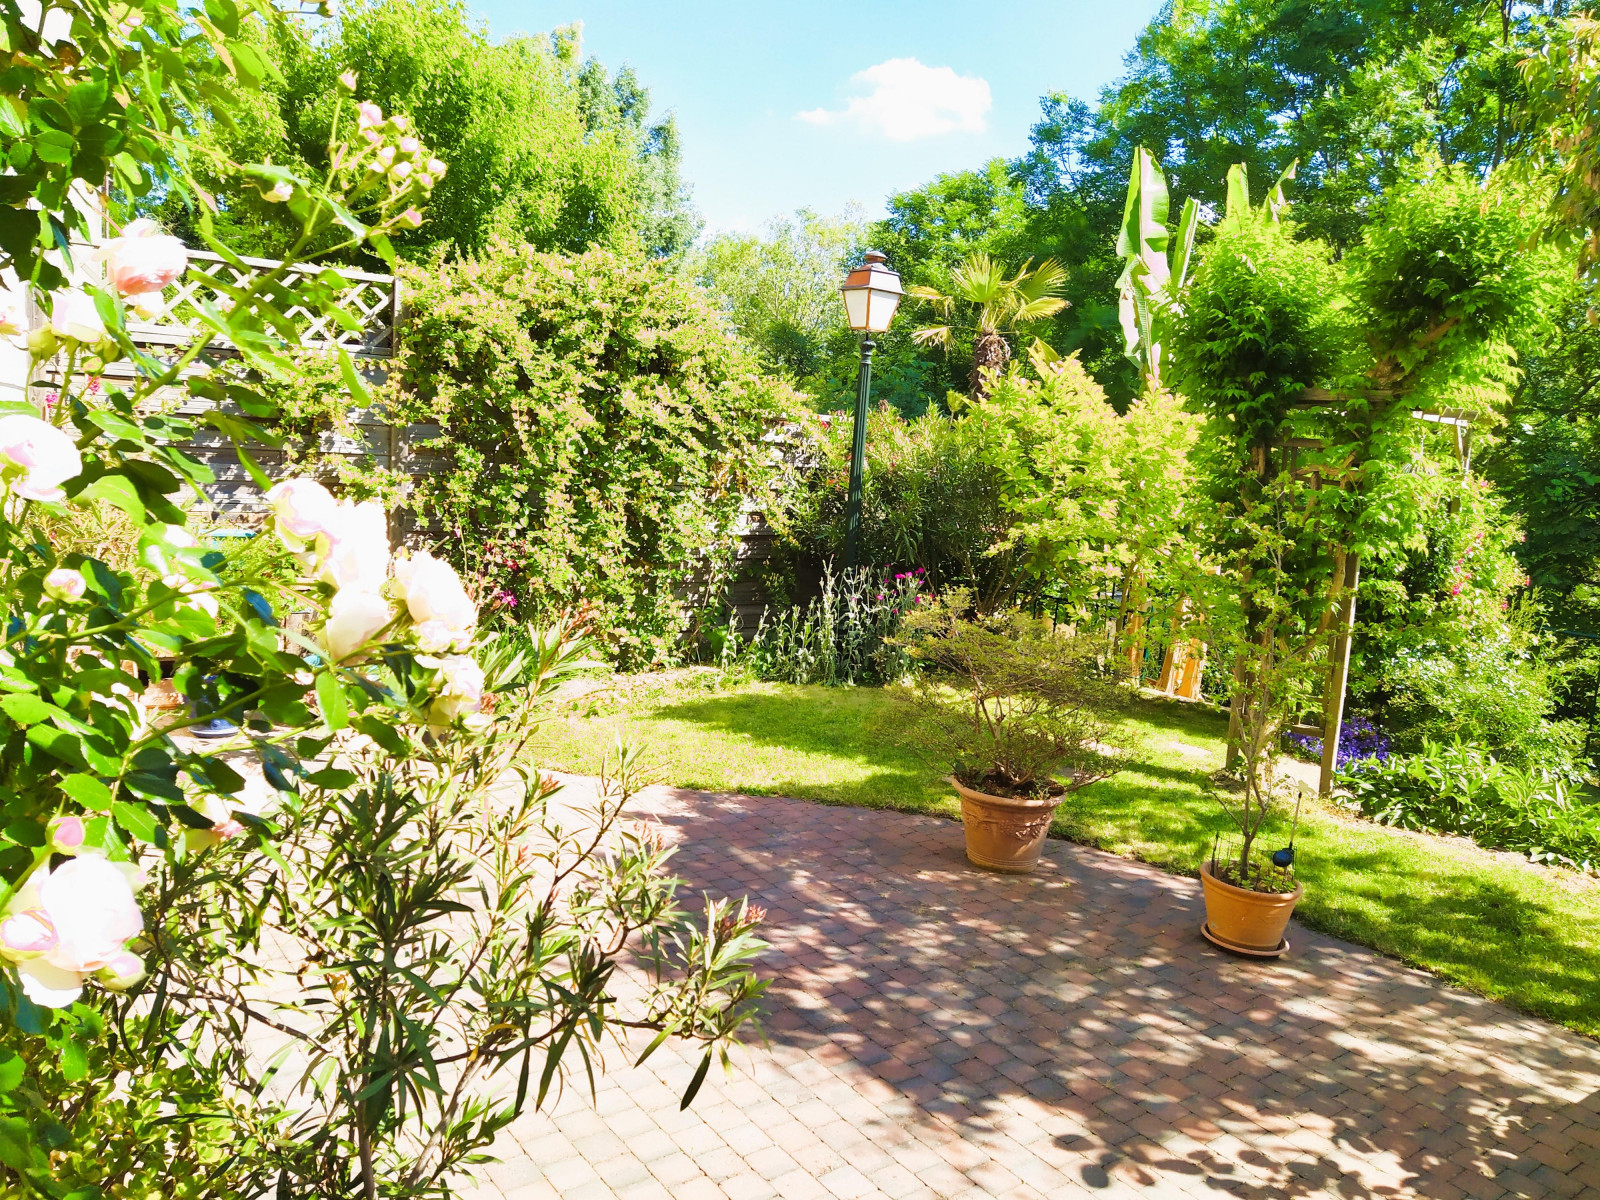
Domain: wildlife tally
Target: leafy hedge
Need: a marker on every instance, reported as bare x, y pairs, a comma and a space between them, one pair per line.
599, 426
1452, 788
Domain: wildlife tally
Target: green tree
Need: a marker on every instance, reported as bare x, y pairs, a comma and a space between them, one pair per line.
781, 288
541, 148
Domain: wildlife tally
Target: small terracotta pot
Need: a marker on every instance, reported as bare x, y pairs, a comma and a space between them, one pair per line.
1250, 922
1004, 834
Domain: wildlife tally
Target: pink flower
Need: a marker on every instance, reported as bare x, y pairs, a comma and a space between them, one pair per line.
410, 219
67, 924
66, 585
409, 145
371, 116
74, 318
36, 458
348, 82
278, 193
436, 168
67, 833
302, 509
144, 259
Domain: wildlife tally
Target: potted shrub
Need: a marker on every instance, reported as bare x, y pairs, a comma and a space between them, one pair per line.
1020, 711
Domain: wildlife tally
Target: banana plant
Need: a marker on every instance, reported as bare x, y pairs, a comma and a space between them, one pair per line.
1148, 287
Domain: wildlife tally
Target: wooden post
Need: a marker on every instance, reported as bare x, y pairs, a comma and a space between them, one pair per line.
1338, 676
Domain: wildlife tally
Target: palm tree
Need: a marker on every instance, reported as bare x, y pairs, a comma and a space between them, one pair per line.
1003, 306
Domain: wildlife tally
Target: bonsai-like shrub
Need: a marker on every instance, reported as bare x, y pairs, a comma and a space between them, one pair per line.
1016, 707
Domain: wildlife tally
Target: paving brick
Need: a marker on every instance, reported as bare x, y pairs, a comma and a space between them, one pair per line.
938, 1033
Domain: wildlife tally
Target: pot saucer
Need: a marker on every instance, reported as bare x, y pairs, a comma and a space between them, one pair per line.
1248, 952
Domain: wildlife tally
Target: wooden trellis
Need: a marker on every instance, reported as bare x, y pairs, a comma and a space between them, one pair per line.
1347, 573
373, 300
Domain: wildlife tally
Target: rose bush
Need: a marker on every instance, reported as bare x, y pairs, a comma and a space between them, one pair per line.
128, 850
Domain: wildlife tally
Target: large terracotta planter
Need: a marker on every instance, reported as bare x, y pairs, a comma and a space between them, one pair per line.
1004, 834
1245, 921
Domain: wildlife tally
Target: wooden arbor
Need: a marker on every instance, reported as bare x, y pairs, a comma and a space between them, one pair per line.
1345, 578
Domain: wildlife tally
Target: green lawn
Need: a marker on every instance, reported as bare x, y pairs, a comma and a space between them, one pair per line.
1528, 936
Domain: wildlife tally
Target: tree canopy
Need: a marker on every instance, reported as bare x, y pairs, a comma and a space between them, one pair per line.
543, 147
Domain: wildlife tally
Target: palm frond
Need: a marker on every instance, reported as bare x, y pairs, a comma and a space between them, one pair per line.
1047, 279
933, 335
1038, 310
978, 279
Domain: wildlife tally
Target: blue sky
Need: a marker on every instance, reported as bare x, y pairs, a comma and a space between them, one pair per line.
826, 103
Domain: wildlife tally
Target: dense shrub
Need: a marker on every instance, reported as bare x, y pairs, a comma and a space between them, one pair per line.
1453, 788
599, 428
1008, 703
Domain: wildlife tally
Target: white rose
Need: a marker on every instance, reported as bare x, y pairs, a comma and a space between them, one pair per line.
36, 458
353, 549
302, 509
459, 689
433, 593
74, 317
354, 619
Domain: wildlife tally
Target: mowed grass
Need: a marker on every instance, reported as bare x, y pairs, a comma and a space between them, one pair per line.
1526, 935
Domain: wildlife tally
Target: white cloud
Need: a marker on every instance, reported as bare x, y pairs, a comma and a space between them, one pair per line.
905, 100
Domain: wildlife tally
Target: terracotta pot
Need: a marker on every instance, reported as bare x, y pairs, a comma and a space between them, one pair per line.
1004, 834
1246, 921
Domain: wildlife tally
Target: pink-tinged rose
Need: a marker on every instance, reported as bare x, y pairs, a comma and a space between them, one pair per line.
122, 972
256, 799
67, 834
36, 458
74, 318
459, 689
435, 637
371, 116
26, 934
353, 551
144, 259
196, 594
66, 585
301, 509
89, 907
354, 619
147, 306
432, 592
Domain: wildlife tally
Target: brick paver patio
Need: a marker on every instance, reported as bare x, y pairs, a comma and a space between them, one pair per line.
940, 1032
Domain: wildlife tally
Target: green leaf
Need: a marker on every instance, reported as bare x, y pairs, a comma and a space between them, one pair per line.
10, 1070
117, 491
330, 696
136, 819
353, 380
74, 1061
24, 708
87, 791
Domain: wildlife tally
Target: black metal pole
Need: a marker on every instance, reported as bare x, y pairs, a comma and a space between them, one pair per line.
858, 455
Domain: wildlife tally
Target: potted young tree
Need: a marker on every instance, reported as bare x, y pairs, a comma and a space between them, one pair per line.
1019, 711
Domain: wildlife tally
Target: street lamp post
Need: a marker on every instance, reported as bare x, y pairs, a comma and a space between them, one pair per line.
871, 294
